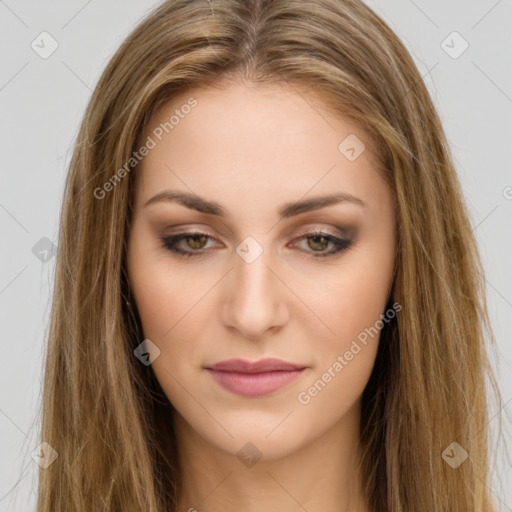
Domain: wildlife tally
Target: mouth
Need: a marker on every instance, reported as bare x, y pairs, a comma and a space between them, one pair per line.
254, 379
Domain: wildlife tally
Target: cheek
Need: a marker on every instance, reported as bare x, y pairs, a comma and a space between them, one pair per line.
162, 293
352, 302
156, 297
170, 306
351, 297
352, 307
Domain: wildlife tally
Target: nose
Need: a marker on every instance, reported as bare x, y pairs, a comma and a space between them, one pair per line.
255, 299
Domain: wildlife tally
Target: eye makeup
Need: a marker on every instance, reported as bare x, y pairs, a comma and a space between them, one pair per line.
180, 244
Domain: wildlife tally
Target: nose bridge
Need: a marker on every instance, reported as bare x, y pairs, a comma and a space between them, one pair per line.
251, 261
253, 276
255, 302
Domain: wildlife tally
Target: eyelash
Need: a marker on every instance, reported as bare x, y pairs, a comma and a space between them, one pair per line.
169, 243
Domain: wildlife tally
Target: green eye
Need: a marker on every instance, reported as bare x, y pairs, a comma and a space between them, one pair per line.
195, 242
318, 241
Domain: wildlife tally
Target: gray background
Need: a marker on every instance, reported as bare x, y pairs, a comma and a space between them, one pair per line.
42, 102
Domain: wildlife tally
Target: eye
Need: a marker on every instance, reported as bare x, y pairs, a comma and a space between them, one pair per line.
194, 240
195, 244
319, 240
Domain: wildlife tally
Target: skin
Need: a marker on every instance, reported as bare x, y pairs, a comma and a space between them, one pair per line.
252, 148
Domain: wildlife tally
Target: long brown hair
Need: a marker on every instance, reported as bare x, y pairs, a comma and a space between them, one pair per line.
104, 412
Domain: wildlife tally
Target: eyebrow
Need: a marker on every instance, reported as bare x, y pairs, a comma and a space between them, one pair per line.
194, 202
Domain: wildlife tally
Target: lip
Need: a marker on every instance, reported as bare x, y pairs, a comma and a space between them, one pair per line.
253, 379
263, 365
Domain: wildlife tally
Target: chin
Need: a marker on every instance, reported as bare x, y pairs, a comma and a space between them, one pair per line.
267, 440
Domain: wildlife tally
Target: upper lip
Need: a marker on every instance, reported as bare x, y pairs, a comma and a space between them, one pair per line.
263, 365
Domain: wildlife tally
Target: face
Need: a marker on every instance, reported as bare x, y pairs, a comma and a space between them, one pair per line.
249, 264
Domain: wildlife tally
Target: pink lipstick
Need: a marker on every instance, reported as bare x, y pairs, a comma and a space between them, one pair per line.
253, 379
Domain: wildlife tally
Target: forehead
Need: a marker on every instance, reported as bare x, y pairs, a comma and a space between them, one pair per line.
253, 139
248, 115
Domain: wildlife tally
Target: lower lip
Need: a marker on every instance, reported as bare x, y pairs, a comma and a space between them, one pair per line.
254, 384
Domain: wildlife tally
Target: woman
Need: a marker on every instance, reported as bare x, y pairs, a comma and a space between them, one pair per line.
268, 295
